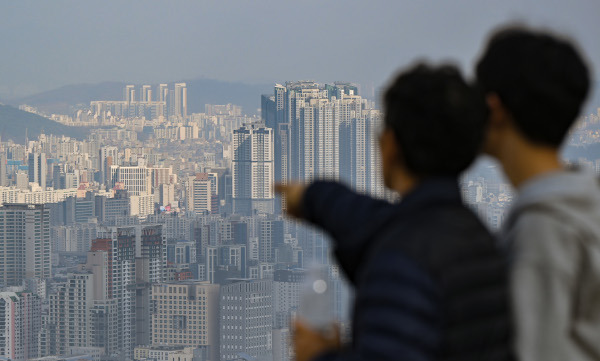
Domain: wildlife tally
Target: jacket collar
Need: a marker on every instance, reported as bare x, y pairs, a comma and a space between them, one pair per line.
568, 183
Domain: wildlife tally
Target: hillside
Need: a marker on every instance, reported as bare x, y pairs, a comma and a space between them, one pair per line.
61, 100
13, 123
200, 92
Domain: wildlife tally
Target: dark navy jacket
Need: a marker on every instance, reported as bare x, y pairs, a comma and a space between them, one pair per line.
430, 283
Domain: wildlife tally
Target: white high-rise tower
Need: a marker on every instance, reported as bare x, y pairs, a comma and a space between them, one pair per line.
253, 169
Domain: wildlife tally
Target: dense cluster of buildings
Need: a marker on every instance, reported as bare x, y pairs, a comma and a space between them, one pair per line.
161, 238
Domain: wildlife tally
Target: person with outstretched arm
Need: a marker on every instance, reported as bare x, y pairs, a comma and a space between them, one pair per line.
429, 281
535, 84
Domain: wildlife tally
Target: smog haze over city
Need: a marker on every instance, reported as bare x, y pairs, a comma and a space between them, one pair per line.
140, 141
52, 44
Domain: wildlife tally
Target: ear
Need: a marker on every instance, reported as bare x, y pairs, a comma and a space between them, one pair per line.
390, 151
499, 126
498, 113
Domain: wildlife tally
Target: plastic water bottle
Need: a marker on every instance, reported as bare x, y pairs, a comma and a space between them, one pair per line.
316, 300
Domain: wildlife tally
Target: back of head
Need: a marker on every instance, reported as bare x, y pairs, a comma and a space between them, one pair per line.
540, 78
437, 118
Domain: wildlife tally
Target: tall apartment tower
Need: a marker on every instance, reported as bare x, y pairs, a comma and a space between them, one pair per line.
287, 285
271, 233
136, 257
246, 319
129, 93
119, 244
199, 193
107, 156
80, 313
163, 92
146, 93
273, 114
162, 96
67, 323
186, 314
178, 101
252, 170
38, 169
324, 131
20, 323
3, 170
358, 153
24, 243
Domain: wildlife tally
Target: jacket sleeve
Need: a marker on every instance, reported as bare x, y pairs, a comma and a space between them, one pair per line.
399, 314
349, 218
546, 257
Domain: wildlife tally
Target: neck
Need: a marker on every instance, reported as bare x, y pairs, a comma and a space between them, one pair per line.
524, 161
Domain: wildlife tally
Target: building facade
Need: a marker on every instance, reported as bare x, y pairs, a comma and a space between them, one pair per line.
20, 323
246, 319
186, 314
252, 170
25, 250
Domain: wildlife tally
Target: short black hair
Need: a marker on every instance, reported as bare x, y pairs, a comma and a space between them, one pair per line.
540, 78
437, 118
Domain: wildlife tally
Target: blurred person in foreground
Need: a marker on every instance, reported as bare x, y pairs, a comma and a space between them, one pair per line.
535, 83
430, 283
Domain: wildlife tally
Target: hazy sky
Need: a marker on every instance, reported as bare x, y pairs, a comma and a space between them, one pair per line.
47, 44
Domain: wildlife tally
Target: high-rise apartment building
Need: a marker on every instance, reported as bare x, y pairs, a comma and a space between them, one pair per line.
75, 238
104, 327
271, 235
20, 323
246, 319
38, 169
163, 92
108, 156
199, 193
324, 131
67, 324
186, 314
25, 249
3, 170
80, 316
107, 307
136, 258
136, 179
146, 93
252, 170
287, 285
180, 100
129, 93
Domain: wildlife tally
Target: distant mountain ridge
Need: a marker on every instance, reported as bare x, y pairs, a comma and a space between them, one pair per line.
200, 92
15, 122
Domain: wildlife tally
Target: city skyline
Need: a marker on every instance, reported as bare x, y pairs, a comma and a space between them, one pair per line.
158, 236
139, 219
